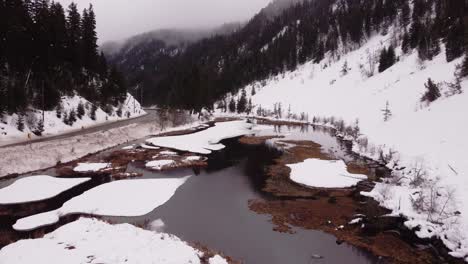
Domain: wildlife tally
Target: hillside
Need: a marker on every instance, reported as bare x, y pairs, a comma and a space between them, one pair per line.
409, 114
52, 77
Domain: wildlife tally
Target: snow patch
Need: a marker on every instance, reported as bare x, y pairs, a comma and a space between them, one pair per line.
93, 241
159, 164
206, 141
119, 198
324, 174
91, 167
37, 188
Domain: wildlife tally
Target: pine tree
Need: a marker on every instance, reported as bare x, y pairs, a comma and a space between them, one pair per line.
232, 105
242, 103
89, 39
92, 114
249, 107
20, 122
465, 62
386, 112
40, 128
71, 117
454, 41
432, 93
387, 58
80, 111
59, 111
74, 37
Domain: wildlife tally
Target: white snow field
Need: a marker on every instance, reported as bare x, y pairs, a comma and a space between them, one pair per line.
37, 188
429, 136
91, 167
206, 141
54, 125
41, 155
93, 241
324, 174
118, 198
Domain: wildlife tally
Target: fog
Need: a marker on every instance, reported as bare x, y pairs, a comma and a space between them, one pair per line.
119, 19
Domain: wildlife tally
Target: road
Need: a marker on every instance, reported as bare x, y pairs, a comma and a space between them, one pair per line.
150, 117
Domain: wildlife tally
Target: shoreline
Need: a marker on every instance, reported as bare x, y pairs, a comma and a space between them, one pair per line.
333, 210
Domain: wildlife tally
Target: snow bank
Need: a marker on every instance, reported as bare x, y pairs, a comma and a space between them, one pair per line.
41, 155
54, 125
433, 136
93, 241
159, 164
37, 188
217, 260
324, 174
91, 167
206, 141
119, 198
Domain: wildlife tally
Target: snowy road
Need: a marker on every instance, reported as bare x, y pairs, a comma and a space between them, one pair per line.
150, 117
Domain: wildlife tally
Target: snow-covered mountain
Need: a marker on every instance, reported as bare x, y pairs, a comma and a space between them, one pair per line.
423, 141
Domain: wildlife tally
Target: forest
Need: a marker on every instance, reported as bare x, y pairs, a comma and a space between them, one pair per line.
204, 72
47, 52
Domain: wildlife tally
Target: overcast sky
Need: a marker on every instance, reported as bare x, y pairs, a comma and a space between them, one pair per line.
119, 19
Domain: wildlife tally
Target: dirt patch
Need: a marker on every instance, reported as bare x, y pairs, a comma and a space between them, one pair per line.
255, 141
278, 182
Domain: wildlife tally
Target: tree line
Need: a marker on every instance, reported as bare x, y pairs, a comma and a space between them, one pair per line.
47, 52
206, 71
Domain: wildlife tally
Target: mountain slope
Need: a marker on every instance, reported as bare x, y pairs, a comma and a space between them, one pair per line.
423, 142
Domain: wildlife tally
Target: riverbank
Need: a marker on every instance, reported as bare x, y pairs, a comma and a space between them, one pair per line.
344, 213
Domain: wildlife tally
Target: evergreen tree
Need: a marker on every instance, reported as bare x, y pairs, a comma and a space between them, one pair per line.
89, 39
432, 93
80, 111
92, 114
387, 113
59, 111
242, 103
232, 105
71, 117
387, 58
74, 37
20, 122
40, 128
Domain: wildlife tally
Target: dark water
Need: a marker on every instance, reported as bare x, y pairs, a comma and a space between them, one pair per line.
212, 207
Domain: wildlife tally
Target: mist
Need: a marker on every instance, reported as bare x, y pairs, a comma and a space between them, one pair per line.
120, 19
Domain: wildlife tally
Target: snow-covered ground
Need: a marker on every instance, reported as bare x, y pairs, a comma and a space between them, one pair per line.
91, 167
159, 164
324, 174
41, 155
431, 137
205, 141
119, 198
37, 188
55, 125
93, 241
